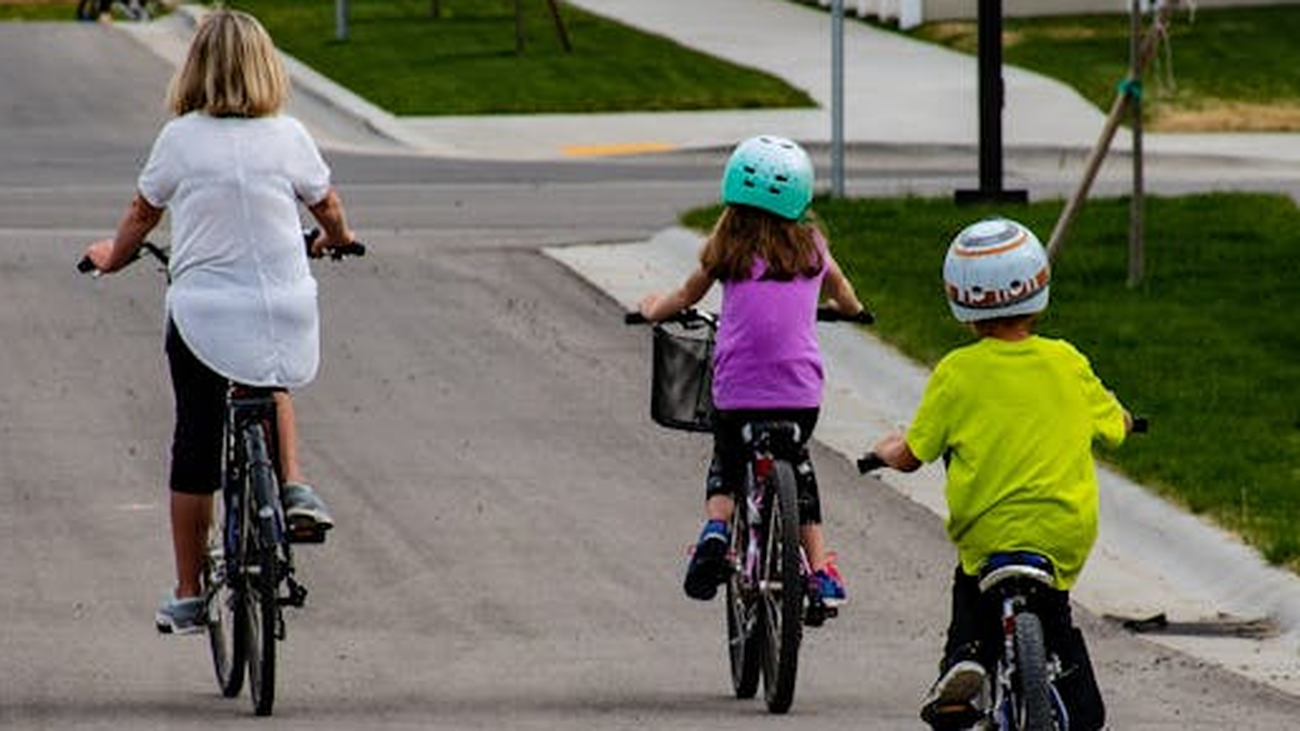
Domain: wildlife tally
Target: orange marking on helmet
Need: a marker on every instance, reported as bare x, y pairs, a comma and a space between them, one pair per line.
965, 252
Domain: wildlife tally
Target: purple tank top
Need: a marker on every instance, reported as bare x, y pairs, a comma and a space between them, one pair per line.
767, 355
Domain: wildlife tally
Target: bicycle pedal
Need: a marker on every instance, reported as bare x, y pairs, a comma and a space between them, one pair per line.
297, 596
306, 533
817, 614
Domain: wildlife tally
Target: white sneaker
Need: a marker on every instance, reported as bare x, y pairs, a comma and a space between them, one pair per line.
181, 616
955, 695
303, 505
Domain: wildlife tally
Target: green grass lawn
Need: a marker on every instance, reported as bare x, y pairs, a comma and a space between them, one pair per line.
1221, 69
1207, 347
38, 11
465, 62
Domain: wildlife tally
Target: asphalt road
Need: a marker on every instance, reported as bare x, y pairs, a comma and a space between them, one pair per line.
512, 526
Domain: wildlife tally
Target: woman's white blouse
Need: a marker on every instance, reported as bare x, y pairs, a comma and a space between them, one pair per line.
242, 295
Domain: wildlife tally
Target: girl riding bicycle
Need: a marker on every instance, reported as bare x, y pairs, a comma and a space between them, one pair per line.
1014, 417
775, 267
241, 305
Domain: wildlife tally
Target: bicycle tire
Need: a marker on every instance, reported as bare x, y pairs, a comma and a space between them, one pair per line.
1033, 693
261, 605
743, 615
782, 589
226, 619
88, 10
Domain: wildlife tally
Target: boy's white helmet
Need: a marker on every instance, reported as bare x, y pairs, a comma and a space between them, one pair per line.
996, 268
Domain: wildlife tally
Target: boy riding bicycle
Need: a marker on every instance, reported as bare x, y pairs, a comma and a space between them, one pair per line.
1014, 417
774, 267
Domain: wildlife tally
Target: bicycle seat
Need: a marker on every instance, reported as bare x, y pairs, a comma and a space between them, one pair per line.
241, 391
1032, 567
781, 437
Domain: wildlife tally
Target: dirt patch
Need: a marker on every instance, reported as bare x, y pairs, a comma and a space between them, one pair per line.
1223, 116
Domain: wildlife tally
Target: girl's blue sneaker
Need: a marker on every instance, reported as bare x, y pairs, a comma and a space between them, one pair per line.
829, 585
708, 567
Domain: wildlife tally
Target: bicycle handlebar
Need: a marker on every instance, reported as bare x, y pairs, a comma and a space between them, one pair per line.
356, 248
870, 462
692, 315
862, 316
86, 266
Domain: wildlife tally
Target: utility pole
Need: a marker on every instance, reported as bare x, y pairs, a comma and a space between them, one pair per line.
1137, 205
837, 99
340, 20
992, 99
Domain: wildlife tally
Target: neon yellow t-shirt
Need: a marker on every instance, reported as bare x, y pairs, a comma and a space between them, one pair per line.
1015, 422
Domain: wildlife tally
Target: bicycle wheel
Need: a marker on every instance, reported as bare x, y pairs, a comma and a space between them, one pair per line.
1033, 695
743, 617
261, 603
781, 587
227, 622
88, 9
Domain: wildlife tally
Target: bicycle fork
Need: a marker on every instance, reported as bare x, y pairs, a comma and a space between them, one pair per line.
270, 517
1004, 714
816, 613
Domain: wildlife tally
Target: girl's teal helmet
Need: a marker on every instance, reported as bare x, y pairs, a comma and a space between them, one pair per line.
771, 173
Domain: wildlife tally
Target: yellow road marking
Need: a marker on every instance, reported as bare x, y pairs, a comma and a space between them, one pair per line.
617, 148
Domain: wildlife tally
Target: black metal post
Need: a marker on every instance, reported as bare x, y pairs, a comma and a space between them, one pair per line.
992, 94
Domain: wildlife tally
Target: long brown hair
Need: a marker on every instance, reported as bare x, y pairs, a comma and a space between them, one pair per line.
743, 233
232, 70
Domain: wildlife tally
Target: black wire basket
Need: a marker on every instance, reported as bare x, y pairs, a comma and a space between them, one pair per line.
681, 394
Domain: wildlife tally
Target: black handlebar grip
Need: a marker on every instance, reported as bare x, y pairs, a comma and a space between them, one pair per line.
863, 316
1140, 425
870, 462
356, 248
85, 266
634, 318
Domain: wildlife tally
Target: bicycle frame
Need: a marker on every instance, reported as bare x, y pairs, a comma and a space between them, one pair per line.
250, 446
767, 596
1015, 578
765, 615
256, 561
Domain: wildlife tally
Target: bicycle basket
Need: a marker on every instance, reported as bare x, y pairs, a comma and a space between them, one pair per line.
682, 380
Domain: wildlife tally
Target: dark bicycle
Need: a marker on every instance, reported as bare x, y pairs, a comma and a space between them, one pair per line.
768, 588
250, 576
1024, 694
138, 10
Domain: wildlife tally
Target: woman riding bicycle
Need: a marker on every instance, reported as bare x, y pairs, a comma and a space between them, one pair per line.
1014, 417
775, 267
241, 306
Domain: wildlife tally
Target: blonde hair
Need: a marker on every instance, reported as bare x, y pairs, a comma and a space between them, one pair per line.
743, 233
232, 70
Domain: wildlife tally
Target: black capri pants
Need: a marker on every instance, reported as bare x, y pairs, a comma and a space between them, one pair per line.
198, 440
727, 470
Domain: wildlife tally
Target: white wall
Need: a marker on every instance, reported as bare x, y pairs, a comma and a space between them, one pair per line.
953, 9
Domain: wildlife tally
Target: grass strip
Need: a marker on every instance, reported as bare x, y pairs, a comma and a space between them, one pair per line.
465, 62
1220, 69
